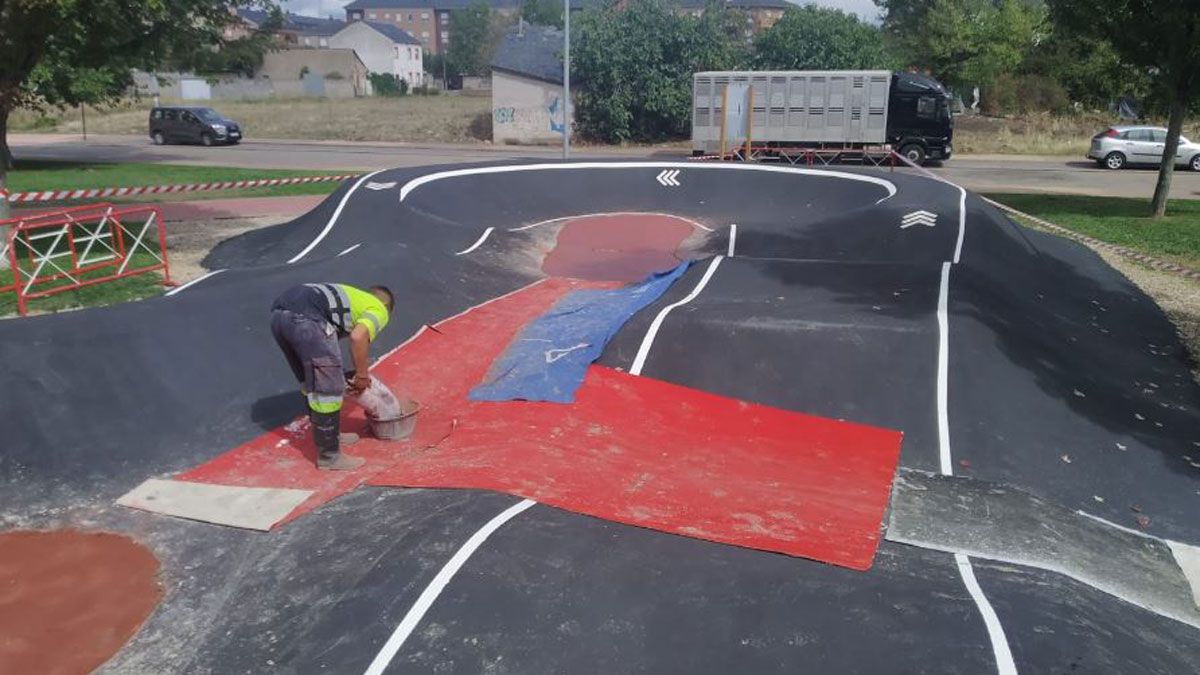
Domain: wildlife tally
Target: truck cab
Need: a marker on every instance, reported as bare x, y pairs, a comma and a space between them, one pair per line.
920, 125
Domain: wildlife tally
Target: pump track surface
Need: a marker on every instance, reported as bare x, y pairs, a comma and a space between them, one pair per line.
873, 427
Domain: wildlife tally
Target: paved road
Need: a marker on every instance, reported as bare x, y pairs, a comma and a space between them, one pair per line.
982, 173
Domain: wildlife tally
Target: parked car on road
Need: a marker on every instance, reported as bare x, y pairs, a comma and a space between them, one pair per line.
191, 124
1117, 147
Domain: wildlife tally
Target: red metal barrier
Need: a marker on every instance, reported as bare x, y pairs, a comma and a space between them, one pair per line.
92, 237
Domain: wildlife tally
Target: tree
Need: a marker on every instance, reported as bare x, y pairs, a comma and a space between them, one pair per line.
633, 66
816, 38
543, 12
71, 52
963, 42
472, 41
1088, 68
1162, 36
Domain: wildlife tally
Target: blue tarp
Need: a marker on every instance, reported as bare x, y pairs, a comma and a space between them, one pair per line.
548, 359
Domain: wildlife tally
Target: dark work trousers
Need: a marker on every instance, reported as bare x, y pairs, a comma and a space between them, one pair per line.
312, 352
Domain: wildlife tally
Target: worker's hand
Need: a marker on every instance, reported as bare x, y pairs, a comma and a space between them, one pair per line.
358, 384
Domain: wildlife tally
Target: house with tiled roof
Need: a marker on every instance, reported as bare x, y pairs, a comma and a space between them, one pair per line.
527, 80
384, 48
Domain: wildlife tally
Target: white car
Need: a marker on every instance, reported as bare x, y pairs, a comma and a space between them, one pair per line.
1115, 147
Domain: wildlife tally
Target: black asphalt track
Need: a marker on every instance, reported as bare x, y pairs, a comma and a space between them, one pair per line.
828, 307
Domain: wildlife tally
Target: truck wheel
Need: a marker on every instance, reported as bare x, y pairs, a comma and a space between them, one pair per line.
913, 153
158, 138
1114, 161
206, 140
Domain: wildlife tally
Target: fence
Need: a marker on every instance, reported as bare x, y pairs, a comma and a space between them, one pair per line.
69, 249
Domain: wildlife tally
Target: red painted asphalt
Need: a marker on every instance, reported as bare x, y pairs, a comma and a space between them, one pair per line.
617, 247
631, 449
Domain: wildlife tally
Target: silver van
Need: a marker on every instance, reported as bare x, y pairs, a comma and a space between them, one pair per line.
1116, 147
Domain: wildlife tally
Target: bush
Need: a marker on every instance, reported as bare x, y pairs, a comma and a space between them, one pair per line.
1023, 94
426, 90
386, 84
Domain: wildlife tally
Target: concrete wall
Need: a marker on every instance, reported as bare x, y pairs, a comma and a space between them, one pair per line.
243, 89
335, 66
525, 110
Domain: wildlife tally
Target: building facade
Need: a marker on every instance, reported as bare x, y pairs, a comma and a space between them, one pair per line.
527, 100
384, 48
426, 20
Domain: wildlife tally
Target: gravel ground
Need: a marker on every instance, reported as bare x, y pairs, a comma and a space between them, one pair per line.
1178, 296
189, 242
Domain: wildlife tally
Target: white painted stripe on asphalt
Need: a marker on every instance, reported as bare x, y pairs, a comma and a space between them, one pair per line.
1127, 530
1000, 649
732, 238
1004, 658
689, 166
612, 214
943, 375
478, 242
191, 283
349, 250
643, 351
333, 219
435, 587
962, 222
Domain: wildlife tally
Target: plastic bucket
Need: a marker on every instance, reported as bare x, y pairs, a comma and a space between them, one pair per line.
397, 428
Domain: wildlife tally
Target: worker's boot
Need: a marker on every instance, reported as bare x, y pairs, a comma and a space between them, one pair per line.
325, 436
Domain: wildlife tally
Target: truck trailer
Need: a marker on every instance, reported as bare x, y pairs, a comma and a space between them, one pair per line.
841, 110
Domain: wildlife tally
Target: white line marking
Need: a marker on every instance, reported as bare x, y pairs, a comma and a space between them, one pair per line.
692, 166
349, 250
639, 361
943, 367
612, 214
962, 222
1004, 658
1000, 648
962, 203
1110, 523
435, 587
477, 243
191, 283
333, 219
732, 238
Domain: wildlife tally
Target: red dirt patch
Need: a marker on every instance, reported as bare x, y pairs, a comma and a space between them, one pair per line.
69, 600
617, 247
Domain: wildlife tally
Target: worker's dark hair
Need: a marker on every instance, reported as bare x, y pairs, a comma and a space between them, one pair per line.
391, 299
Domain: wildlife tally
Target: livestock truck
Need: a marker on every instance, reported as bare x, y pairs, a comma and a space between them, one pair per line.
838, 110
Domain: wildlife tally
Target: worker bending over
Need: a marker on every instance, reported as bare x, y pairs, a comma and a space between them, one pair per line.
307, 322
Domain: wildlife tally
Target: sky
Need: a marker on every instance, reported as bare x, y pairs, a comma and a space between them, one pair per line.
865, 9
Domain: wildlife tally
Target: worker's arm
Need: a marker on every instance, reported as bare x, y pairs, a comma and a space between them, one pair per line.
360, 345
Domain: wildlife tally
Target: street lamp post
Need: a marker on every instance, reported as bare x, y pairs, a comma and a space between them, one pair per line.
566, 149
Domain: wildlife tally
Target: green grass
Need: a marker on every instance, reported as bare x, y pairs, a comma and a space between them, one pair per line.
47, 175
1121, 221
125, 289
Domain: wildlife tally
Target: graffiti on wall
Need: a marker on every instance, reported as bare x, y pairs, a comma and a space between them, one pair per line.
504, 115
557, 113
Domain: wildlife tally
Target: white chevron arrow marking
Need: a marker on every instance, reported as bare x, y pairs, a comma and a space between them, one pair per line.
918, 218
668, 178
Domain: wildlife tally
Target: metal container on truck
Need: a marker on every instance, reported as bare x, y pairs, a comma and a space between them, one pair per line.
829, 110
